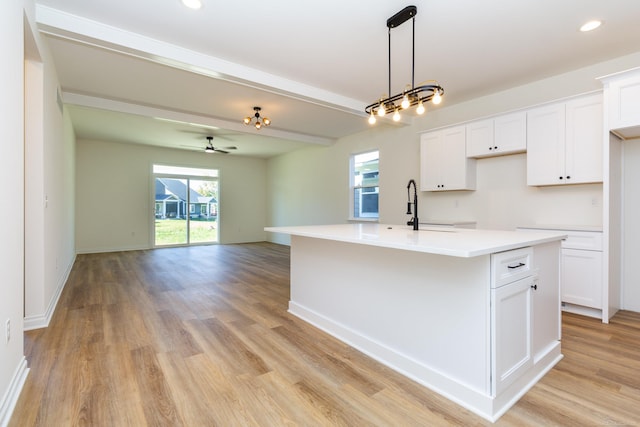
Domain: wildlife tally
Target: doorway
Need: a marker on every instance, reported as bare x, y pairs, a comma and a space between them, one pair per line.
186, 204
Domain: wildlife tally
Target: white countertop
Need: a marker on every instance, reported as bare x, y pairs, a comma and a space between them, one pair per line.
560, 227
435, 240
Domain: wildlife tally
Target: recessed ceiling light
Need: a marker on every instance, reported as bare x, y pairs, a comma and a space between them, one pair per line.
192, 4
591, 25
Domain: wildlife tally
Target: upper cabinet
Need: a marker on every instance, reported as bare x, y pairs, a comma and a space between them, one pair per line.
506, 134
564, 142
444, 165
623, 91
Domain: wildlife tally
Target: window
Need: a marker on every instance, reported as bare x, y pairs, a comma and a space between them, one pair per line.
364, 185
186, 205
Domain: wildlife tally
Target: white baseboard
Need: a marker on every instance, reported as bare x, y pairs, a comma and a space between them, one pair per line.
9, 400
42, 320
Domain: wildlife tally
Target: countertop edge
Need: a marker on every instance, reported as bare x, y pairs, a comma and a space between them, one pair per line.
531, 239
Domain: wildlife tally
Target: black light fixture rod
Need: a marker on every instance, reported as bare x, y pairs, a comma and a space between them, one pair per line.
413, 54
389, 92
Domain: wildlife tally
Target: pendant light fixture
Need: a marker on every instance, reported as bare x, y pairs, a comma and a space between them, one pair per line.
260, 121
412, 95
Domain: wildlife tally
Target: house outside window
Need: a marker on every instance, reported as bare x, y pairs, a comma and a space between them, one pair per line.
364, 192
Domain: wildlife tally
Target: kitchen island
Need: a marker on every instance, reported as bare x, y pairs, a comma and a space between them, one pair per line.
471, 314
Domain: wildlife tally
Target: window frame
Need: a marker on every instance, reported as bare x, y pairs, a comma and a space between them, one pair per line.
353, 186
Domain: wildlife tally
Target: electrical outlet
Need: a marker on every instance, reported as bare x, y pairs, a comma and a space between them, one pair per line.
8, 330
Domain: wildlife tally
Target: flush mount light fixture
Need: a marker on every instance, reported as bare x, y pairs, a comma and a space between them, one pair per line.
412, 95
192, 4
260, 121
590, 26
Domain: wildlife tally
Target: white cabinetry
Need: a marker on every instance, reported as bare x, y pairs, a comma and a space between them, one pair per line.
443, 162
564, 142
581, 280
624, 103
506, 134
512, 283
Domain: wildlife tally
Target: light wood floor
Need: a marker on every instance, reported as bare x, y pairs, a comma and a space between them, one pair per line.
200, 336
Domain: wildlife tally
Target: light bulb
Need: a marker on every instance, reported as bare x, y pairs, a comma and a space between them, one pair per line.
266, 121
258, 124
437, 99
372, 118
382, 110
405, 102
247, 120
420, 110
396, 116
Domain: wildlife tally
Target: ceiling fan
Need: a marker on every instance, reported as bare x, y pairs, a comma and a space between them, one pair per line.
211, 149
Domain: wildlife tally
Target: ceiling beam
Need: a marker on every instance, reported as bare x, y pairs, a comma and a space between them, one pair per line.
64, 25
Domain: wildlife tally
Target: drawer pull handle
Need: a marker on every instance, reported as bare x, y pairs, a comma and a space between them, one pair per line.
520, 264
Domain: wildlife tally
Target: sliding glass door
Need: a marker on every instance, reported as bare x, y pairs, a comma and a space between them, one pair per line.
186, 206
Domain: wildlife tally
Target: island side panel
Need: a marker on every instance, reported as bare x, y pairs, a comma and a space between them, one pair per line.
399, 306
546, 299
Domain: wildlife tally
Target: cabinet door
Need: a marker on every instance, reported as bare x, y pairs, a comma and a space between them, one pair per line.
430, 146
512, 333
480, 139
455, 168
443, 162
545, 145
624, 103
510, 133
584, 137
582, 277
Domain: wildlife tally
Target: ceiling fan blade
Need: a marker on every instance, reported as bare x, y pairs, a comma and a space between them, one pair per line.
191, 147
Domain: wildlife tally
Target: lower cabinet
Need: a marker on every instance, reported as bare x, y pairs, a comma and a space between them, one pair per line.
512, 338
581, 278
581, 282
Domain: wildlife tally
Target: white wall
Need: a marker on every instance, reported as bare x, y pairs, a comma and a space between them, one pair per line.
502, 199
12, 212
114, 202
49, 186
631, 225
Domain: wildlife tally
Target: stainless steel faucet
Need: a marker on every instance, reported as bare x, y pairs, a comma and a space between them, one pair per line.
413, 221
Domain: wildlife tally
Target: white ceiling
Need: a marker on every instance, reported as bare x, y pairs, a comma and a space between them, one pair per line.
312, 67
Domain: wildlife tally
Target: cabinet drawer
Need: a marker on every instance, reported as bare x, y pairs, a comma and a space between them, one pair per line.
587, 240
507, 267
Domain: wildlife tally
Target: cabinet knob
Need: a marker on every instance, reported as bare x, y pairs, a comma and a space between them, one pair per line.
534, 287
560, 177
495, 148
568, 177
